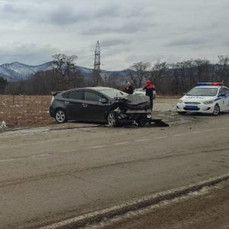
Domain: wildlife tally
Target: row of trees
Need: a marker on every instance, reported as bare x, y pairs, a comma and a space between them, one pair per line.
168, 78
181, 76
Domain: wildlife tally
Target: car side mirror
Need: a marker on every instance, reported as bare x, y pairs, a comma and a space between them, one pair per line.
103, 100
222, 94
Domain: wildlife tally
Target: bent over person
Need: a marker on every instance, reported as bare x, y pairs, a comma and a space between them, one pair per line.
129, 89
150, 92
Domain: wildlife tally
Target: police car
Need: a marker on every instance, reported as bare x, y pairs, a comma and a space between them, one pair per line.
206, 97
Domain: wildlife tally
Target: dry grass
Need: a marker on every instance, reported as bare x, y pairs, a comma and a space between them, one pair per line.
25, 110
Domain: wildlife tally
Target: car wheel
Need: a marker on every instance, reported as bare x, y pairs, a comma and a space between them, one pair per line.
60, 116
216, 110
112, 119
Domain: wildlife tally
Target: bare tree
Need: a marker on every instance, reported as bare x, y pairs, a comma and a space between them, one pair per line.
3, 84
65, 66
202, 69
158, 70
183, 75
138, 72
223, 70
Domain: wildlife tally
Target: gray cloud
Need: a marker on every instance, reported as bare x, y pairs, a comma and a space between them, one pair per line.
187, 41
9, 12
30, 53
65, 16
113, 42
120, 27
129, 31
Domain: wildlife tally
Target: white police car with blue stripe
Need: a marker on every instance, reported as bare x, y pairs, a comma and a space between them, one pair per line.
206, 97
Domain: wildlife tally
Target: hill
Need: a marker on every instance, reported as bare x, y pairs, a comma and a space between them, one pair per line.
17, 71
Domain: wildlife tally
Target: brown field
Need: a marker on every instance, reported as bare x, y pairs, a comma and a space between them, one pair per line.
25, 110
32, 111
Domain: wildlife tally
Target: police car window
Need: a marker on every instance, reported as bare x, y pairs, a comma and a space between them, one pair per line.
90, 96
76, 95
223, 91
226, 90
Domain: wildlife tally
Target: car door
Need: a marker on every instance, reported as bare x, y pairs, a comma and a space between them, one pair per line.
95, 105
73, 103
227, 98
223, 102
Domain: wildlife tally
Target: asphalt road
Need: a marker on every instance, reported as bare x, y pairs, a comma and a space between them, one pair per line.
50, 175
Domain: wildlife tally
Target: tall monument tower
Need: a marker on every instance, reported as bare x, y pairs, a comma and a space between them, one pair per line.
97, 57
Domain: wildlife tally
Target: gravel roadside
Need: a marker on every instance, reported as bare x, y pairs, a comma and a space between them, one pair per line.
208, 209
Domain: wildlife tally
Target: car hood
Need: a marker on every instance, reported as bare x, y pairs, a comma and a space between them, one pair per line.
197, 98
134, 99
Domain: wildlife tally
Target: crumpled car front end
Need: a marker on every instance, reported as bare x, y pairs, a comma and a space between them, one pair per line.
132, 109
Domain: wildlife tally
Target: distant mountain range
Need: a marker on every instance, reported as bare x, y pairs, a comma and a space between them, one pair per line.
18, 71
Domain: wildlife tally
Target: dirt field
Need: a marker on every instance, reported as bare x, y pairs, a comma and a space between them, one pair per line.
18, 111
31, 111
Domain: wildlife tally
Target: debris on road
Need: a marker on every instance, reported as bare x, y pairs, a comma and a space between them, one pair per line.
3, 125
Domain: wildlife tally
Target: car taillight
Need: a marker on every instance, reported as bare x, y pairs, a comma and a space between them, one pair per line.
52, 100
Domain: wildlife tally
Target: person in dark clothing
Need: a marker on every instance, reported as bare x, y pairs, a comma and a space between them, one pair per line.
129, 89
150, 92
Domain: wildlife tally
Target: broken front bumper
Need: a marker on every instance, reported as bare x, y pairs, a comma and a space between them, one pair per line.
138, 111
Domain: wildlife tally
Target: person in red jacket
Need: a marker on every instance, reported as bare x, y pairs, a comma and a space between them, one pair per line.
150, 92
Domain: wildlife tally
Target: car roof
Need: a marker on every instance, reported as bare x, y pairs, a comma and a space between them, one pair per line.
91, 88
99, 88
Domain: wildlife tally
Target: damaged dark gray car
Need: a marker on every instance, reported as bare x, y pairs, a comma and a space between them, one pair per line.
100, 105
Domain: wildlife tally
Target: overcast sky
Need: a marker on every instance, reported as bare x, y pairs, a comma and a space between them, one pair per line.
129, 31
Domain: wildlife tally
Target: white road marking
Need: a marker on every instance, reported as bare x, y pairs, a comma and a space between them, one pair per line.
223, 128
7, 160
24, 158
196, 132
121, 143
97, 147
40, 155
209, 130
142, 140
162, 137
178, 135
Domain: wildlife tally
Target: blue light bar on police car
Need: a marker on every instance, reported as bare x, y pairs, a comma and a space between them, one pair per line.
209, 84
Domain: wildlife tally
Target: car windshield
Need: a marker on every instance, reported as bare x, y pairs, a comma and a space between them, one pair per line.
197, 91
112, 93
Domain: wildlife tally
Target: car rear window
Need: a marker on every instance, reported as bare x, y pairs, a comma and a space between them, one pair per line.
74, 95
